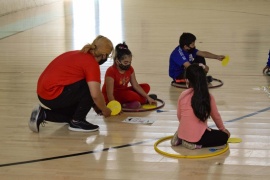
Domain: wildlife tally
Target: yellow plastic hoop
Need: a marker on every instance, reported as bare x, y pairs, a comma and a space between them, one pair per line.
186, 156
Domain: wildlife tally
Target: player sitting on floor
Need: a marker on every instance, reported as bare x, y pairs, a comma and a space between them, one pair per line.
195, 106
266, 69
185, 54
117, 78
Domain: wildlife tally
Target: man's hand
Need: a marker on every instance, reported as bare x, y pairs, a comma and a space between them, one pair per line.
106, 112
97, 110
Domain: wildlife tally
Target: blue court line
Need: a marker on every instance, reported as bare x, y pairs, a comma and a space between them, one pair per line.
116, 147
249, 115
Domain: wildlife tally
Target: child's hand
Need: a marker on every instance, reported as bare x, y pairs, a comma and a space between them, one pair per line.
228, 132
151, 101
220, 57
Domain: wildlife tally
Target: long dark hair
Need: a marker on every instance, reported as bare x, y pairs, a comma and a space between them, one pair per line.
200, 100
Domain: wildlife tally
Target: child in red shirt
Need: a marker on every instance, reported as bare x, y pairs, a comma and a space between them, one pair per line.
117, 78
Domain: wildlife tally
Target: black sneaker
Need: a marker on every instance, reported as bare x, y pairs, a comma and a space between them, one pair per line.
153, 96
82, 126
37, 117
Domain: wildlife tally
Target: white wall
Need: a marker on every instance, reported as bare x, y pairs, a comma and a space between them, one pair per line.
10, 6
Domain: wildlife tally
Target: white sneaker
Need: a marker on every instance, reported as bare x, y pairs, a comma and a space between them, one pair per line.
191, 146
37, 117
175, 141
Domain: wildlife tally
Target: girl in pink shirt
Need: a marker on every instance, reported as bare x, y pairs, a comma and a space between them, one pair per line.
195, 106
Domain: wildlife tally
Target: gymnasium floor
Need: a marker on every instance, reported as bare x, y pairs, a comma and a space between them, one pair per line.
30, 39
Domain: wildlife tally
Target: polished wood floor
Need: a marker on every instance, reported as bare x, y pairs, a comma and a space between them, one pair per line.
30, 39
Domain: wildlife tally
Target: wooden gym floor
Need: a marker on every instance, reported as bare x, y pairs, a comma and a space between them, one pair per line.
30, 39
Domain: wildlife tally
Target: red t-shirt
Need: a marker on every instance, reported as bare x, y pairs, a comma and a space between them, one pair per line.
121, 81
67, 69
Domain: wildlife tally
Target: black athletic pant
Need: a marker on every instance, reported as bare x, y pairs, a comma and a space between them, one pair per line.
197, 59
73, 103
213, 138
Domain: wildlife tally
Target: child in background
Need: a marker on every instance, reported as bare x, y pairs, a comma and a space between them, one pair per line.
186, 54
195, 106
117, 78
266, 69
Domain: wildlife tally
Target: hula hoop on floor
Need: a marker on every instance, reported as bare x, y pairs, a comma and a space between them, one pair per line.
186, 156
160, 104
215, 83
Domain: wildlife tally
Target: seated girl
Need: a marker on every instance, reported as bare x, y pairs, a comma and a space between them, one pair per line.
195, 106
117, 78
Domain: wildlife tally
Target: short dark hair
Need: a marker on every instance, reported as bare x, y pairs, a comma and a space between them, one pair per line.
186, 39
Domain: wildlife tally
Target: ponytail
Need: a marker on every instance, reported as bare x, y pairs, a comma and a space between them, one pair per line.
101, 45
200, 100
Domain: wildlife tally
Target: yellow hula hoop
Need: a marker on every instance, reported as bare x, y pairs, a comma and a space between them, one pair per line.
186, 156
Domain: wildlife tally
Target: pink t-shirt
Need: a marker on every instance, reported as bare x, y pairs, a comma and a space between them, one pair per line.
190, 127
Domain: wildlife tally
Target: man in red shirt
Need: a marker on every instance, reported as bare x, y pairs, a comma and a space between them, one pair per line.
70, 87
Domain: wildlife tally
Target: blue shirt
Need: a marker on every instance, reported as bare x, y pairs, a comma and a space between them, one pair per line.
177, 59
268, 62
